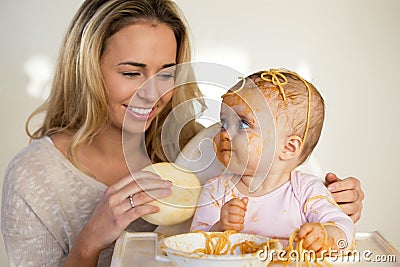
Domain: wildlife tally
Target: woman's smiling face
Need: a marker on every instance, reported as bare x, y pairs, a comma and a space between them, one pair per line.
133, 55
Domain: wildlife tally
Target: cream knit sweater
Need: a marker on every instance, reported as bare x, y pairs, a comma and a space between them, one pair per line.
46, 201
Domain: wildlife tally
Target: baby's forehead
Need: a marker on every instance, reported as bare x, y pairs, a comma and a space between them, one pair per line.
249, 99
247, 95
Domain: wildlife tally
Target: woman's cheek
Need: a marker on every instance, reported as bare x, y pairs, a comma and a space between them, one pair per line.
166, 98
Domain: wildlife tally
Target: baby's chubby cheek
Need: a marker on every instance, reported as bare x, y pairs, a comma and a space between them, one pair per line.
224, 157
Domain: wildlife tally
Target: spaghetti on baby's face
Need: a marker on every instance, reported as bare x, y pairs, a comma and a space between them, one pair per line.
297, 112
240, 141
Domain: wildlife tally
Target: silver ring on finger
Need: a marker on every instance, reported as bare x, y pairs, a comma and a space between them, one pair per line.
131, 201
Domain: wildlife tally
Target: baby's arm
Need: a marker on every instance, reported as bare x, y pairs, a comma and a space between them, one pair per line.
320, 207
315, 238
231, 215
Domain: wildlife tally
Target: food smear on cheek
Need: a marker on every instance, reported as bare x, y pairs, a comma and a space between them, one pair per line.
254, 142
221, 155
225, 157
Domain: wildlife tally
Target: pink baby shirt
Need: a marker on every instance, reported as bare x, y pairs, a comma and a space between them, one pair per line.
276, 214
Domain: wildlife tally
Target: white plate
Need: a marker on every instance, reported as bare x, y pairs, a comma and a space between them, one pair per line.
179, 249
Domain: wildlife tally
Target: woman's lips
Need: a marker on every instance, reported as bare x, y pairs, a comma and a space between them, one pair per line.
139, 113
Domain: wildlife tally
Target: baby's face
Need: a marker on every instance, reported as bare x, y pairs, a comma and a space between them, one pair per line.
241, 143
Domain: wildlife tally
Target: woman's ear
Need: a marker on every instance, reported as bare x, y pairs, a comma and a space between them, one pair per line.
291, 147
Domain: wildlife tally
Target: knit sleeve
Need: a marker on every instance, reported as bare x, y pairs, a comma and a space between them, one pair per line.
46, 202
28, 242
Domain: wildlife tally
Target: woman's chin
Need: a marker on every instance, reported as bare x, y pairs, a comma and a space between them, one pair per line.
133, 126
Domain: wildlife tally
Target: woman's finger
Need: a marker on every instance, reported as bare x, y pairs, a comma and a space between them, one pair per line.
133, 177
143, 198
346, 196
139, 211
351, 208
349, 183
144, 185
356, 216
331, 178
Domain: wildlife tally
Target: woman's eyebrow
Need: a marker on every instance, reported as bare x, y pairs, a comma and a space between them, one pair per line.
142, 65
168, 65
132, 63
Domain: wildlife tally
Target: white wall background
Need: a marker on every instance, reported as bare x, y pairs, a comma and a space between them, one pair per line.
350, 49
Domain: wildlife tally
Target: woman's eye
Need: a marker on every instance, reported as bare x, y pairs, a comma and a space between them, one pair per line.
131, 74
244, 124
166, 76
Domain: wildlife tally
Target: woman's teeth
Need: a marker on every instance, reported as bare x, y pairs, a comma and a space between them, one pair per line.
141, 111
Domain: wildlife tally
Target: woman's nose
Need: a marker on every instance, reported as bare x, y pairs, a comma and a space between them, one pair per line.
156, 87
149, 91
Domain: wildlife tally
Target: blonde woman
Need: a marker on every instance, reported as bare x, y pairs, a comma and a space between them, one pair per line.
70, 194
66, 194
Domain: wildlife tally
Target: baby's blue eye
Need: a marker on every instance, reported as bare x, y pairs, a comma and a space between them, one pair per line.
244, 124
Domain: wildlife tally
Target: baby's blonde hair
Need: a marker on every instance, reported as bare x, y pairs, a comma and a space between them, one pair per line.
290, 104
78, 99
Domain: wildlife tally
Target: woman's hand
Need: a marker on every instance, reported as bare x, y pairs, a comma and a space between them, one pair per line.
347, 193
232, 215
114, 213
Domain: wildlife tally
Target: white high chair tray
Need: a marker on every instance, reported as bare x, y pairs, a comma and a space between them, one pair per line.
141, 249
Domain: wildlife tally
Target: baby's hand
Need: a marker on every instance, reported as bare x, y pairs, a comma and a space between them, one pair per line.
232, 215
313, 237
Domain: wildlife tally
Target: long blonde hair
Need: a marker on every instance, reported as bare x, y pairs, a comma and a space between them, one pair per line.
78, 98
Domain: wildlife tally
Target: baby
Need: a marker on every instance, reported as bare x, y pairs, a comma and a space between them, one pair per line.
270, 123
